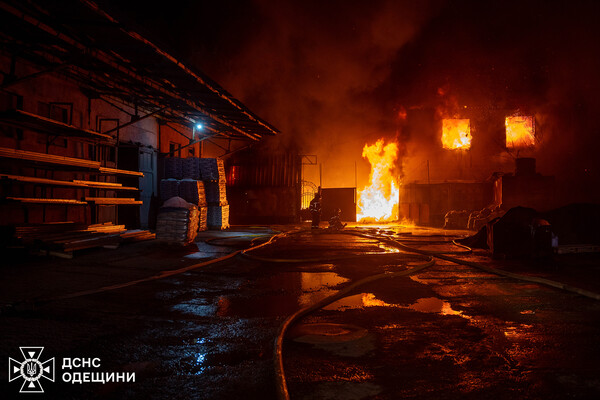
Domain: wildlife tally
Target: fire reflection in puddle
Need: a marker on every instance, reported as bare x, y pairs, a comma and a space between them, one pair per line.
516, 332
316, 286
426, 304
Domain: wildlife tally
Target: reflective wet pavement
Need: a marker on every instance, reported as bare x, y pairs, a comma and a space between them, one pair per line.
448, 332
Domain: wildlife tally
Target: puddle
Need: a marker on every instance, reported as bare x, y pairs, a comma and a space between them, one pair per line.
415, 278
317, 285
281, 294
426, 304
199, 307
516, 332
206, 250
435, 305
388, 248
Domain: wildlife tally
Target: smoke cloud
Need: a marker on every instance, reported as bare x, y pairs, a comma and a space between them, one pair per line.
313, 69
335, 75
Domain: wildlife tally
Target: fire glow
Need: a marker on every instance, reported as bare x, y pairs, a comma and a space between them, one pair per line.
519, 132
378, 202
456, 134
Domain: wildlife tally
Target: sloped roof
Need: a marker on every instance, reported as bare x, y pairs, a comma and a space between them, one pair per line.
109, 60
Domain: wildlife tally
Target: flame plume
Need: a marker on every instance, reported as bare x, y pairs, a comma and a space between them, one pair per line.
378, 202
456, 134
519, 132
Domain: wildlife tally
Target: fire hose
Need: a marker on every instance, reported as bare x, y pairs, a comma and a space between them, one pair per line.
281, 384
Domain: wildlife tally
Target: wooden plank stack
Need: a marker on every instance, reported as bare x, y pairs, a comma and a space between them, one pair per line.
66, 237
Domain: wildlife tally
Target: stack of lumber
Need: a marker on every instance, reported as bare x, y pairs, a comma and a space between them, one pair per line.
67, 237
31, 200
48, 158
75, 183
62, 161
111, 201
137, 235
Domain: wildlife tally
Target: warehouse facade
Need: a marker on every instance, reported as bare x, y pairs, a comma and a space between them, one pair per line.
89, 111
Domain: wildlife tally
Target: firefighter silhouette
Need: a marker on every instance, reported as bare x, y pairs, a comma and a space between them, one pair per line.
335, 222
315, 210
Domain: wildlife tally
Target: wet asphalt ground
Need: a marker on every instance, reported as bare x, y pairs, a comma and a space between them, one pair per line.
207, 332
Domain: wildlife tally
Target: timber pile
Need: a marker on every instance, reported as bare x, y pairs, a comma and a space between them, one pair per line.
48, 158
74, 183
62, 161
31, 200
67, 237
111, 201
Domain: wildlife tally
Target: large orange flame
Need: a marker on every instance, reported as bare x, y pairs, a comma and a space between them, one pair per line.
519, 132
378, 202
456, 134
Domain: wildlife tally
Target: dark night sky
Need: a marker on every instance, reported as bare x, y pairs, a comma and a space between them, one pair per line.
332, 75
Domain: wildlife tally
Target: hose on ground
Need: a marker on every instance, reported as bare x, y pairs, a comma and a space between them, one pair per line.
282, 390
161, 275
281, 384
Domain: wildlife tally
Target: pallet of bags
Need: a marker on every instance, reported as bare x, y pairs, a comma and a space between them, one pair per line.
218, 216
216, 192
168, 188
212, 169
192, 191
202, 218
177, 222
191, 168
173, 167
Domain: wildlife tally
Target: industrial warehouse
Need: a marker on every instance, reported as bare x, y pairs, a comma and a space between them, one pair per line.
299, 200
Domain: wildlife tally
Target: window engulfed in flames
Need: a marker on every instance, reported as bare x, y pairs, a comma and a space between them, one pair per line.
519, 132
456, 134
378, 202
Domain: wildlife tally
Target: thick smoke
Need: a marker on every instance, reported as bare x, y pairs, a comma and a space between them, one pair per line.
334, 75
488, 60
313, 69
